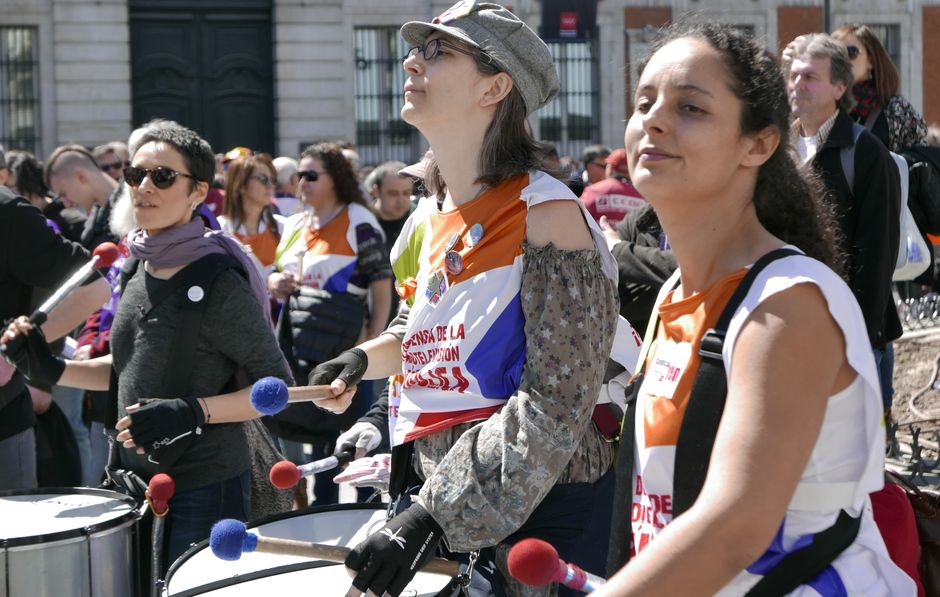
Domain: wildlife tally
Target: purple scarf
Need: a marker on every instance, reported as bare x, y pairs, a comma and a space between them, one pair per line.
185, 244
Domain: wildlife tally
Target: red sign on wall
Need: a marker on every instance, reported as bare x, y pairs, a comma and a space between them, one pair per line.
568, 25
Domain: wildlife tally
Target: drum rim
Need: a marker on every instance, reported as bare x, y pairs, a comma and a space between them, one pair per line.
251, 576
197, 547
132, 514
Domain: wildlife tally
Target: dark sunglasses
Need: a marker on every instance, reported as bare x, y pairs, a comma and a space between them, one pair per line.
309, 175
263, 179
853, 52
162, 178
114, 166
431, 48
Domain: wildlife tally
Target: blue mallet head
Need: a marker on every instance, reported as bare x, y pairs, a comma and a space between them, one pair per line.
269, 395
230, 538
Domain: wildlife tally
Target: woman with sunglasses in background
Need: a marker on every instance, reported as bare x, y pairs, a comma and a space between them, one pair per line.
511, 308
879, 106
247, 213
188, 432
334, 274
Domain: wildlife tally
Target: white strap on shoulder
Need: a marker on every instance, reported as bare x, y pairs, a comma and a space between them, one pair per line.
823, 497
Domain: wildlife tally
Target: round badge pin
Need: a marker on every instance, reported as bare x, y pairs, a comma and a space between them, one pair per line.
451, 241
195, 294
453, 262
475, 235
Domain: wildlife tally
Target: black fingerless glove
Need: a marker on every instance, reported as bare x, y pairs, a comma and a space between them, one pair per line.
387, 560
31, 356
349, 366
161, 423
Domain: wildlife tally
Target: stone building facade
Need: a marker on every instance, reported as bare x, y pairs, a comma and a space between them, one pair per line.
88, 71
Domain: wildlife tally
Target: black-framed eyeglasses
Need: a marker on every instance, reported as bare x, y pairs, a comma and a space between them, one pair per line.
263, 179
162, 178
431, 48
114, 166
309, 175
853, 52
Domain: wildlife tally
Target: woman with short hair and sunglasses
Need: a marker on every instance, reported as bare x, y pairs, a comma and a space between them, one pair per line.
247, 213
879, 105
511, 307
334, 274
190, 434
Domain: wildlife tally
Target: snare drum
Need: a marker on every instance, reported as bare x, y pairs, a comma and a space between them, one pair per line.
199, 572
66, 541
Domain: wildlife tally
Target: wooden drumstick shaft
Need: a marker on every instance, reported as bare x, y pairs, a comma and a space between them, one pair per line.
333, 553
308, 393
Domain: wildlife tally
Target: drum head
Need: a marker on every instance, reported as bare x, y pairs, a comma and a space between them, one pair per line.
199, 572
54, 514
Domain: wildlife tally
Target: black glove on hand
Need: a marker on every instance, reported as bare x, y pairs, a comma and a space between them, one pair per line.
349, 366
31, 356
160, 423
388, 560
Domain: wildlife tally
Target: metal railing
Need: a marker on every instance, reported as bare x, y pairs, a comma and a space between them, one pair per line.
381, 134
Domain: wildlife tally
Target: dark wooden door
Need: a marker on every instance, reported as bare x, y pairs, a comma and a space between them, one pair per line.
208, 65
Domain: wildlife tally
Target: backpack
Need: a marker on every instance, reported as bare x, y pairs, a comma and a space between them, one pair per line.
914, 254
924, 197
693, 451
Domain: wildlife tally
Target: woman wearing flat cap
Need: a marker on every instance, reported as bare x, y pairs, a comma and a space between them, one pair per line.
510, 312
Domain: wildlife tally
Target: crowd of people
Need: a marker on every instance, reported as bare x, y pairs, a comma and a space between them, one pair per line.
467, 312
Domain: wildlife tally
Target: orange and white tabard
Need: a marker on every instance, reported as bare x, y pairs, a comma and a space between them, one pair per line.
670, 372
461, 272
847, 460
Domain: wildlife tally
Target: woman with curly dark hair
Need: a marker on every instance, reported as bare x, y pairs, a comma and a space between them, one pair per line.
26, 179
333, 271
788, 441
879, 105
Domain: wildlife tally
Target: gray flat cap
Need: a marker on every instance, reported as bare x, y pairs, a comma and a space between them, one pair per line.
514, 47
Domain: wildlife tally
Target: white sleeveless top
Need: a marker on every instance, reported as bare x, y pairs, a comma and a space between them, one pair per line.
845, 466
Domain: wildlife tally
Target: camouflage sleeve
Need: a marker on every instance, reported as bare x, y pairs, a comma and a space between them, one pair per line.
483, 480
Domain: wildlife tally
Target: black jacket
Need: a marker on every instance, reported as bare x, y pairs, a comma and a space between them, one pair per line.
642, 265
868, 220
31, 255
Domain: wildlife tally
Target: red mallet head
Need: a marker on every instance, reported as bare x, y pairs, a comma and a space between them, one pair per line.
284, 474
160, 489
106, 253
535, 563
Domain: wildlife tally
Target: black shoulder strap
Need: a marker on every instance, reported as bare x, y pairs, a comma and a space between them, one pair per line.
707, 400
197, 278
621, 535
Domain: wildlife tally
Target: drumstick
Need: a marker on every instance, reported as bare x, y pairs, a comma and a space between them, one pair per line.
230, 538
270, 395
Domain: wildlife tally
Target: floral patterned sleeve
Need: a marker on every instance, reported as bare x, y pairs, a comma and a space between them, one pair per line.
484, 479
906, 127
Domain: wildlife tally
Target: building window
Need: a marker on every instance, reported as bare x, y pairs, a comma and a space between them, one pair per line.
571, 120
381, 134
19, 88
890, 36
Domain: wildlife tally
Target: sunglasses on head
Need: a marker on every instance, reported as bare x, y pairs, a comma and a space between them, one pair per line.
853, 52
114, 166
309, 175
162, 178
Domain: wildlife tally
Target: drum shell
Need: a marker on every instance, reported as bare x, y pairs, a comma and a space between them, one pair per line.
199, 572
91, 561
